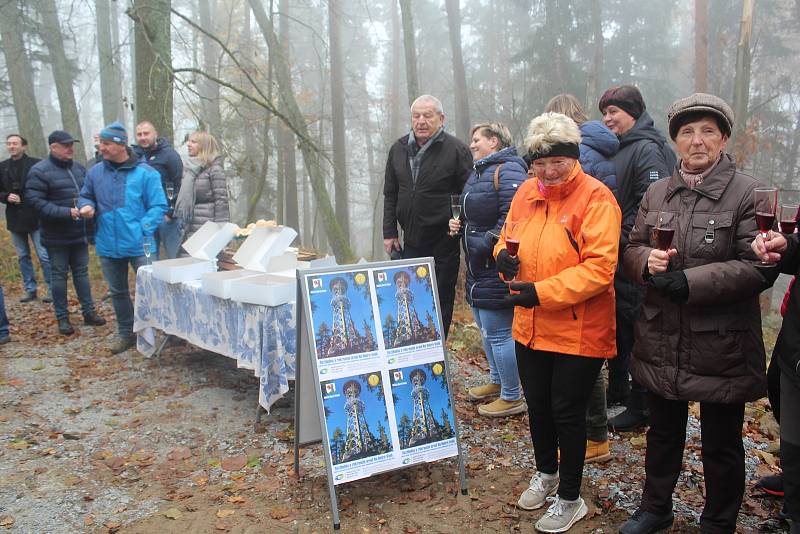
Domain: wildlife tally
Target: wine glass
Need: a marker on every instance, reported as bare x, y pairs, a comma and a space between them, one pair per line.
75, 205
170, 193
664, 231
455, 206
787, 220
147, 251
765, 200
512, 240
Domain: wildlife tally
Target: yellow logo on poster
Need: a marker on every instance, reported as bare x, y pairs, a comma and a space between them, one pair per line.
360, 279
437, 369
422, 271
373, 380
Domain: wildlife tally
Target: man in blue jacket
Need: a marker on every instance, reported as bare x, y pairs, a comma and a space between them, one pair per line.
125, 197
52, 189
159, 154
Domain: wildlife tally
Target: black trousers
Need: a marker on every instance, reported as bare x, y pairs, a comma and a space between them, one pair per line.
790, 444
723, 459
557, 388
446, 257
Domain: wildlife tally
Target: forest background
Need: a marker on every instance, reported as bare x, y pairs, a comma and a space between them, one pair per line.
306, 96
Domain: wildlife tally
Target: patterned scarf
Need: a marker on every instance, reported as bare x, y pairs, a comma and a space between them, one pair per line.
693, 179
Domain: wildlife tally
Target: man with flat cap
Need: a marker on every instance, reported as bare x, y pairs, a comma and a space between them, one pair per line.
53, 188
124, 196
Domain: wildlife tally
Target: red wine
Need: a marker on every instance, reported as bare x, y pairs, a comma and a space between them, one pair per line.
512, 245
765, 221
787, 227
664, 237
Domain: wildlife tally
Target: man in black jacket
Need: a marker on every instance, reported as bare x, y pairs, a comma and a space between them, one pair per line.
21, 218
53, 189
423, 169
158, 153
644, 156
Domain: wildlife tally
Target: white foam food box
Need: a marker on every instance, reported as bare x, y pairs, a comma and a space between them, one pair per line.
220, 283
203, 248
266, 289
263, 246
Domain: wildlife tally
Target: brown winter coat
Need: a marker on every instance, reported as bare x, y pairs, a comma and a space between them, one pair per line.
709, 348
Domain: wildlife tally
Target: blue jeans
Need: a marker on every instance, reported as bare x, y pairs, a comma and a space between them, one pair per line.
115, 271
3, 316
498, 344
21, 244
170, 234
62, 260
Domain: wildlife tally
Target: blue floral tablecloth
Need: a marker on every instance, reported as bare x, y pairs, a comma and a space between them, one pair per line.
260, 338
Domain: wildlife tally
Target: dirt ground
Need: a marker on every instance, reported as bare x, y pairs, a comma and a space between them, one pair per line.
91, 442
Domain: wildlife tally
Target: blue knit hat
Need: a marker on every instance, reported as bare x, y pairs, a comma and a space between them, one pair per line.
115, 132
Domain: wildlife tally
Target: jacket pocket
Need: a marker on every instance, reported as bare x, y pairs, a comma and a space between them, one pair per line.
716, 345
711, 235
649, 333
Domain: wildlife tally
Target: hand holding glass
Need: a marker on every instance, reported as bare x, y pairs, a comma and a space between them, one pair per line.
765, 200
170, 192
512, 241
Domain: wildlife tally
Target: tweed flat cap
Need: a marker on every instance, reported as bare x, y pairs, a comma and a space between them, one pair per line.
703, 103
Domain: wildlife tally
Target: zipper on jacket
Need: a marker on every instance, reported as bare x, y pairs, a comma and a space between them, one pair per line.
574, 315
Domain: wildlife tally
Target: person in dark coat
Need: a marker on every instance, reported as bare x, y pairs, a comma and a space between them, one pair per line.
5, 337
423, 169
499, 171
21, 218
158, 153
784, 250
698, 336
52, 189
643, 157
597, 148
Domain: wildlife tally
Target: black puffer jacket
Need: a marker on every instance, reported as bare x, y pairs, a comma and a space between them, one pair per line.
644, 157
20, 217
423, 208
52, 189
787, 347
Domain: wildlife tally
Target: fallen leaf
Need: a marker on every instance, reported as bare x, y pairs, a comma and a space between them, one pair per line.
223, 513
219, 525
638, 441
180, 453
18, 444
236, 499
6, 521
173, 513
279, 512
88, 520
768, 458
200, 481
72, 410
37, 367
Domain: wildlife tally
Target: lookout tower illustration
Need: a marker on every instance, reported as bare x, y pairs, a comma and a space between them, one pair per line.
424, 427
344, 337
409, 326
359, 441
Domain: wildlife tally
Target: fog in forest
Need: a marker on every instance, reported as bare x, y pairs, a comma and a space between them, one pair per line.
306, 97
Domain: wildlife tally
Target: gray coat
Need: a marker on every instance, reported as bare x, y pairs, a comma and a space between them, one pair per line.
210, 195
709, 348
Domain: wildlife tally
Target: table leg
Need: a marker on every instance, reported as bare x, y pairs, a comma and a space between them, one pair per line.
157, 353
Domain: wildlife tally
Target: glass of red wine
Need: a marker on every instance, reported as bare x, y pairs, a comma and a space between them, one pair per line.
787, 220
512, 240
765, 200
665, 231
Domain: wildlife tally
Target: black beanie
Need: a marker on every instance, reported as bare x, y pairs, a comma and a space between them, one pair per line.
626, 97
569, 150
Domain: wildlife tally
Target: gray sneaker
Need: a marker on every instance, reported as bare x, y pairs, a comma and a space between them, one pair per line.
121, 344
561, 515
540, 488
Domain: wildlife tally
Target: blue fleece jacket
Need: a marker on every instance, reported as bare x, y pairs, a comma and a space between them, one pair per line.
598, 147
129, 205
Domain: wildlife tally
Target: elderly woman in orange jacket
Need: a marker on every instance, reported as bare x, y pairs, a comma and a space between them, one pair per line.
568, 227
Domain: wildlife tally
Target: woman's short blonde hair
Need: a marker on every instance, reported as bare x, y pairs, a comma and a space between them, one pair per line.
569, 106
207, 146
494, 129
551, 129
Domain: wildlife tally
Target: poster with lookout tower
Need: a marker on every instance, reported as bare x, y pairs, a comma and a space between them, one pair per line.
371, 348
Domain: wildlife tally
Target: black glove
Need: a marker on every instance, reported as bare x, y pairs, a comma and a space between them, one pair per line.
672, 284
527, 297
507, 264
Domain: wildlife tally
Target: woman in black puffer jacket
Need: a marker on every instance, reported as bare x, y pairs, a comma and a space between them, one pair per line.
498, 172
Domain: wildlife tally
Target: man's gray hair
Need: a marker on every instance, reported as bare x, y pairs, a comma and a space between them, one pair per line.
437, 104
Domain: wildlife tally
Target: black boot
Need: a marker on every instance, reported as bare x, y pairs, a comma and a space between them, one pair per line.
30, 296
618, 392
646, 523
634, 417
64, 327
92, 319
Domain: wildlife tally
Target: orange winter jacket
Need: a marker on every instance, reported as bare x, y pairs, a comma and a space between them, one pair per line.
569, 242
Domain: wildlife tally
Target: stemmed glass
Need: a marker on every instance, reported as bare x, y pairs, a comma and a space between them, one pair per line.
75, 205
455, 206
147, 251
512, 241
788, 218
170, 193
765, 200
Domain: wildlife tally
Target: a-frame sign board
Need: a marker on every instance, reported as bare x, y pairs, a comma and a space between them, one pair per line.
373, 382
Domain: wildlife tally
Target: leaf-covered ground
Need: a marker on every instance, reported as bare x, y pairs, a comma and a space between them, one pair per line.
91, 442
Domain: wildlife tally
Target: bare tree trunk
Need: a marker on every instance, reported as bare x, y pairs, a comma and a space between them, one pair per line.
556, 80
792, 158
741, 87
593, 87
110, 94
409, 43
20, 76
125, 102
459, 75
153, 63
338, 239
337, 119
394, 84
50, 32
209, 90
701, 46
286, 139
